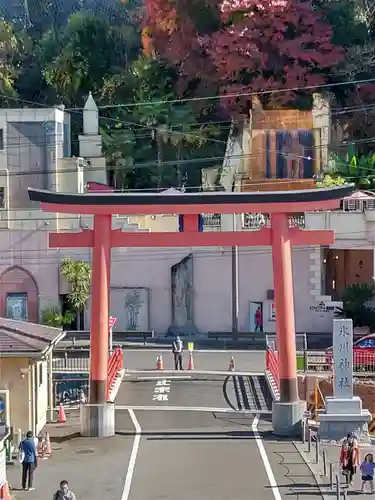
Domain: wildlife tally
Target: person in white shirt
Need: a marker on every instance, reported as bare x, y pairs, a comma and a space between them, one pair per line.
177, 349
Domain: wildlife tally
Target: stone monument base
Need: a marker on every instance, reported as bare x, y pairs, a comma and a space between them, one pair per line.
287, 418
342, 416
97, 420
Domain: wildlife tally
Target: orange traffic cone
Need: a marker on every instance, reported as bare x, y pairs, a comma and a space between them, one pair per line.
231, 364
159, 363
47, 448
191, 362
4, 492
61, 417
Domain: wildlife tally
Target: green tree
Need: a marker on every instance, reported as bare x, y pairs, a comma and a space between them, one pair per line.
356, 304
52, 316
78, 275
10, 45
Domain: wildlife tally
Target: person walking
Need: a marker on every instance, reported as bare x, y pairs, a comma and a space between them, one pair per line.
28, 458
64, 493
177, 348
349, 458
368, 471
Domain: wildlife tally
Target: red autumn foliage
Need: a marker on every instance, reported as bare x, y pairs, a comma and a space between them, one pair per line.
244, 46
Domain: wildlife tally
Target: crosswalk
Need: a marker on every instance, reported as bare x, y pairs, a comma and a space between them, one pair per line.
251, 393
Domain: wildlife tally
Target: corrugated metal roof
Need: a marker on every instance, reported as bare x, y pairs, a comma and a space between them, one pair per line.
21, 336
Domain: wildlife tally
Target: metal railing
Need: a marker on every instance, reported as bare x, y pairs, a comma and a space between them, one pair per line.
115, 365
78, 363
301, 341
312, 361
256, 221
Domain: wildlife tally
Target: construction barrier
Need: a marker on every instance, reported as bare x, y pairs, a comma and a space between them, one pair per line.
115, 365
371, 425
272, 371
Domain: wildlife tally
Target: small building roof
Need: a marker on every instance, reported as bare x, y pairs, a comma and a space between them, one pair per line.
20, 338
360, 195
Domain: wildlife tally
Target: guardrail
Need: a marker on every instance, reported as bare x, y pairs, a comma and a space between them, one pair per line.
115, 365
272, 372
117, 337
310, 361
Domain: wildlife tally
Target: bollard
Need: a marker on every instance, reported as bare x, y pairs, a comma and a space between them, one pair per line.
324, 462
303, 431
337, 487
308, 439
317, 449
331, 475
66, 359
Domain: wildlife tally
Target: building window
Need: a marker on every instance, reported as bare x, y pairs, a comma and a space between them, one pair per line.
17, 306
1, 139
2, 197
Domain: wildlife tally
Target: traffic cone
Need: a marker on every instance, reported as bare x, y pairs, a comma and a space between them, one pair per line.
61, 417
47, 448
159, 364
231, 364
191, 362
4, 492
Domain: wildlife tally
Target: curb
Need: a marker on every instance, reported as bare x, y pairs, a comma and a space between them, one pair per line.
325, 492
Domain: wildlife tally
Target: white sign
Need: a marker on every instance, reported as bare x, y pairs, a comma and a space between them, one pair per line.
3, 460
272, 311
343, 358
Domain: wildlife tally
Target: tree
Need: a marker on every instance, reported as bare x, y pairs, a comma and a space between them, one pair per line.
52, 316
356, 304
78, 275
257, 46
9, 51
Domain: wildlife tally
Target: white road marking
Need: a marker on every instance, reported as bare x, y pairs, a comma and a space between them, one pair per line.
128, 373
262, 451
133, 456
172, 377
208, 351
191, 408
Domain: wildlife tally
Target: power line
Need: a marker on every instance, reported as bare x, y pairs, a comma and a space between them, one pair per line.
236, 95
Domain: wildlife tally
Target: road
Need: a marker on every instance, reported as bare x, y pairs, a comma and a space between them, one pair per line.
145, 360
193, 443
183, 436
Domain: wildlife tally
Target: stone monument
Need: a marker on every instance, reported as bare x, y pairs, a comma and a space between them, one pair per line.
182, 281
343, 412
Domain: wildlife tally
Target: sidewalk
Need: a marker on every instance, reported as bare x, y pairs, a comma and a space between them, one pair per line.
333, 453
94, 468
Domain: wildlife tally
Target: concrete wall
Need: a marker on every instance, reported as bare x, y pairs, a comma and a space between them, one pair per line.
151, 269
18, 386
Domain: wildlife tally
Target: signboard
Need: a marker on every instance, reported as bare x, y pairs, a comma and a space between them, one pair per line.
343, 358
272, 311
190, 346
111, 322
3, 461
326, 307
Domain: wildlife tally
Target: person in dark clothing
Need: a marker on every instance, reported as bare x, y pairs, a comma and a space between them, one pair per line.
29, 460
177, 348
64, 493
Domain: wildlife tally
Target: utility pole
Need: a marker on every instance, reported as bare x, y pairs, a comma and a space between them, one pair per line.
235, 305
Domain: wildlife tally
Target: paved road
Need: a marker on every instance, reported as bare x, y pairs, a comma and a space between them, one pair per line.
196, 391
183, 439
138, 359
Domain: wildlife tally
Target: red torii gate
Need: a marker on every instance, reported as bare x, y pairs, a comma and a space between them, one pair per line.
102, 238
